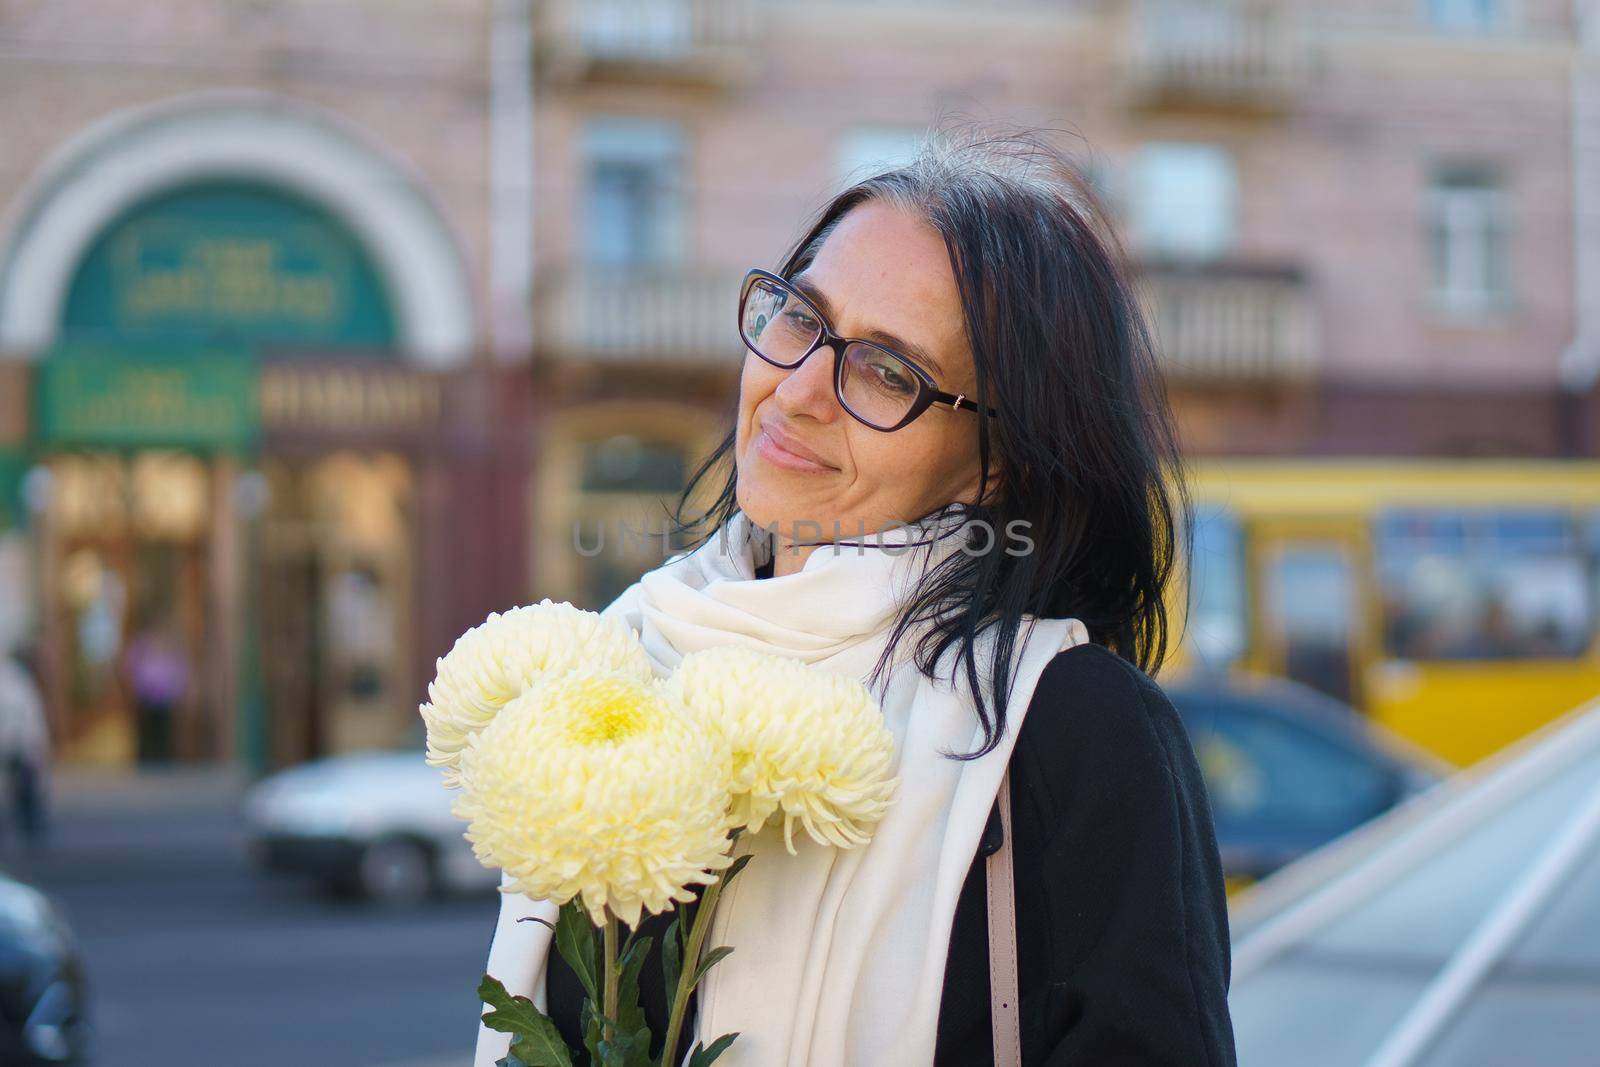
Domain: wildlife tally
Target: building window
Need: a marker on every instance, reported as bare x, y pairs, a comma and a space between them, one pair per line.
1465, 15
1483, 584
1185, 200
1468, 234
868, 150
661, 29
635, 185
1106, 183
623, 463
628, 483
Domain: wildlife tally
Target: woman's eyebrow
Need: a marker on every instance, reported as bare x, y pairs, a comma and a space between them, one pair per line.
911, 349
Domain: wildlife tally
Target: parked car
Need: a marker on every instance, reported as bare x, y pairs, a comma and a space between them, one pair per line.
1289, 769
375, 824
42, 990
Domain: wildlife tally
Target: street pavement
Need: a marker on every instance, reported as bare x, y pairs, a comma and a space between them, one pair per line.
193, 958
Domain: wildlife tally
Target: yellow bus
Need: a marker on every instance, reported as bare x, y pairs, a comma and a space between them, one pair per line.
1452, 601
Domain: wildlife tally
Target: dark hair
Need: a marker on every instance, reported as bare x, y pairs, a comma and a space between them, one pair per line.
1085, 446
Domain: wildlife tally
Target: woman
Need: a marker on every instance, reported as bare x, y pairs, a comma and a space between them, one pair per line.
952, 474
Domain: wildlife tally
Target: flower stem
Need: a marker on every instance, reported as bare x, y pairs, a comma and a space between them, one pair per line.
691, 960
613, 977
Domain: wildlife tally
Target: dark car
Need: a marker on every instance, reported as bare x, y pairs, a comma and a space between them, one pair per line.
1288, 768
42, 1017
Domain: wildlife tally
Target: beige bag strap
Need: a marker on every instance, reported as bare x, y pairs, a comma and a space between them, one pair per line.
1003, 984
1005, 992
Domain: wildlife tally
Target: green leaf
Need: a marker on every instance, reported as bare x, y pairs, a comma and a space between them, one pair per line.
577, 939
626, 1048
734, 868
627, 942
713, 957
702, 1056
510, 1059
672, 955
635, 1053
630, 1016
591, 1030
639, 1053
511, 1014
546, 1051
535, 1039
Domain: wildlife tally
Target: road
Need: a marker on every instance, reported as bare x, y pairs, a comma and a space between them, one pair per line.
195, 959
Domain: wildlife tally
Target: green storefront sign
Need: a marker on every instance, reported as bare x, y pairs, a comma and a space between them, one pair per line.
204, 400
14, 465
230, 264
174, 301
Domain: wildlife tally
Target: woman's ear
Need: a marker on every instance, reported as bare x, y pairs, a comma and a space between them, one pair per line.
992, 488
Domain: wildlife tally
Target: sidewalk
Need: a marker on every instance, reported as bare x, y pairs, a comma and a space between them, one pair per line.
130, 825
130, 791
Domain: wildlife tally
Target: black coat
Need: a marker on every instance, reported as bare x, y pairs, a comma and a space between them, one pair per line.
1122, 920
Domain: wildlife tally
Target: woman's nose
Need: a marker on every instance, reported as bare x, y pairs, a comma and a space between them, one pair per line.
808, 389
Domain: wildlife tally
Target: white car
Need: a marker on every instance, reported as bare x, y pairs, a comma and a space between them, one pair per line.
374, 823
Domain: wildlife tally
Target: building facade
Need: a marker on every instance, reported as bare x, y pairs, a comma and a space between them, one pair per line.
327, 326
260, 462
1357, 224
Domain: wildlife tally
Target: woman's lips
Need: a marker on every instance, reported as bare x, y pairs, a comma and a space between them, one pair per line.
772, 450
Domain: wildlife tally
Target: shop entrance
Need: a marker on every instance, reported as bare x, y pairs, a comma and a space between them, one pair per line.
128, 567
336, 579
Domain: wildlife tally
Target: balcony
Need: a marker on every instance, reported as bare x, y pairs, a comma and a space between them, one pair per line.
1230, 324
1248, 55
688, 42
1215, 323
668, 315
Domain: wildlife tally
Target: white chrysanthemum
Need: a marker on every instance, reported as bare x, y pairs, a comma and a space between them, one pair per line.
805, 741
498, 659
597, 785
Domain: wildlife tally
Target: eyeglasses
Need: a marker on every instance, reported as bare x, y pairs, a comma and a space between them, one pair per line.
876, 385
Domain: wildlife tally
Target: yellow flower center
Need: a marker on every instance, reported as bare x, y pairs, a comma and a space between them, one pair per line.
609, 710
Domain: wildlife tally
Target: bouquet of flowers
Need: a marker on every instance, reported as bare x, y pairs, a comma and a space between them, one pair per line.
595, 785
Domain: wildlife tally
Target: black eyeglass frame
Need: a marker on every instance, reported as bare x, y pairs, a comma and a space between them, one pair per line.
928, 391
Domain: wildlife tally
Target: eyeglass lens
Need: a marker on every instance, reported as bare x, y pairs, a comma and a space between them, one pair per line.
875, 385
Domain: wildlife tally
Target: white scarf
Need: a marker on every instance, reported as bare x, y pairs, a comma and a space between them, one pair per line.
839, 955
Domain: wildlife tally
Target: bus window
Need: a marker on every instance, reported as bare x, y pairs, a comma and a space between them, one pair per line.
1593, 537
1482, 584
1216, 587
1309, 604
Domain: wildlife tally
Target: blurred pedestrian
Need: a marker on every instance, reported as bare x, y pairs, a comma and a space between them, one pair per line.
158, 675
24, 747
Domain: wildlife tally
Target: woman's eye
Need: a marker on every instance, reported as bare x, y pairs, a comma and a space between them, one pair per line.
891, 377
799, 320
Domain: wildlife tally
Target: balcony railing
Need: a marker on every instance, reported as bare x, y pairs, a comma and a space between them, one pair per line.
670, 314
1232, 324
678, 40
1213, 323
1208, 53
